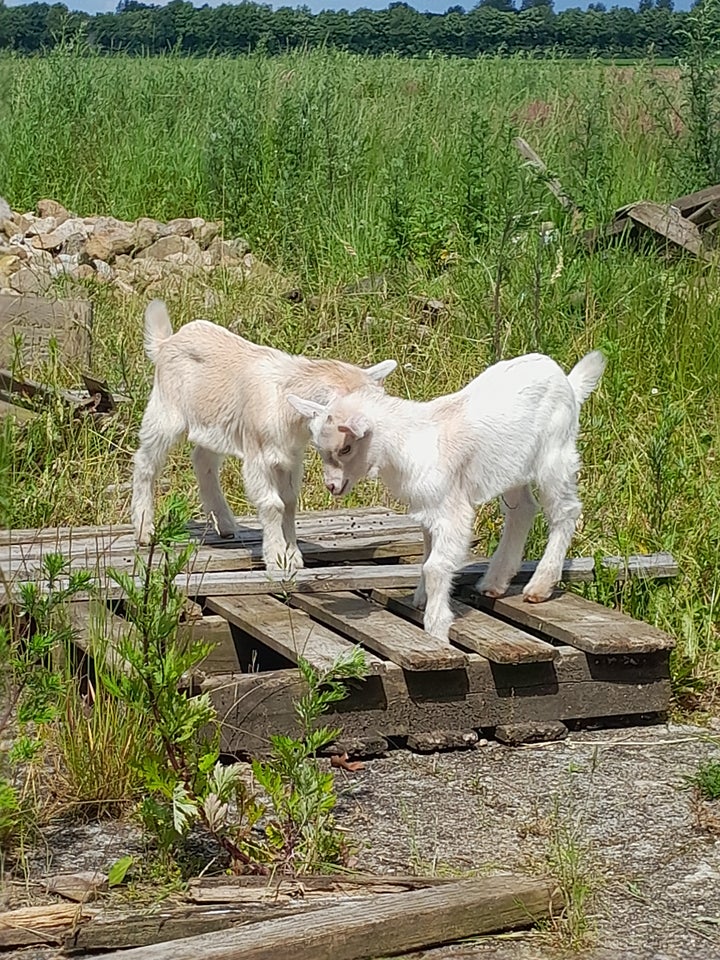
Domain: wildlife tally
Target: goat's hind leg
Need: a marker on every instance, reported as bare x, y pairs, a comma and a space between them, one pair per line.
561, 506
262, 488
519, 507
159, 433
206, 464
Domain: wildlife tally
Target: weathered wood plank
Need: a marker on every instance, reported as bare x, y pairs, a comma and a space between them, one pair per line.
381, 631
252, 889
576, 686
29, 324
223, 657
669, 223
492, 638
44, 924
290, 633
21, 414
581, 623
97, 631
364, 929
691, 202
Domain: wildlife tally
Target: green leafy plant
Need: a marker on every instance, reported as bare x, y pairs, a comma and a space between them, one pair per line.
301, 829
706, 780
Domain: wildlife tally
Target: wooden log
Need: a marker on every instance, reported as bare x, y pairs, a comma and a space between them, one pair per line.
45, 924
492, 638
667, 222
30, 325
381, 631
364, 929
581, 624
291, 633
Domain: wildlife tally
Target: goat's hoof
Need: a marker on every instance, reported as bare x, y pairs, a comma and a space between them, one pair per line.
494, 593
536, 596
143, 539
419, 600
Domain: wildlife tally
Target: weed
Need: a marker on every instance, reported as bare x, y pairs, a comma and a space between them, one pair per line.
570, 864
706, 780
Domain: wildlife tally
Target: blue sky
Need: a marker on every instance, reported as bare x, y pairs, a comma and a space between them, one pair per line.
434, 6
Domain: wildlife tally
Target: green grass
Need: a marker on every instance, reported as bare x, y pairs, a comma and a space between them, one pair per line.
706, 780
335, 167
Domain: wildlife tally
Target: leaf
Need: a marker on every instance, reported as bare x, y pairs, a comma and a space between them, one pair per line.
118, 871
342, 761
184, 809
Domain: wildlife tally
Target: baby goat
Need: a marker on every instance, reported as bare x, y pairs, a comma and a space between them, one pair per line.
515, 424
229, 397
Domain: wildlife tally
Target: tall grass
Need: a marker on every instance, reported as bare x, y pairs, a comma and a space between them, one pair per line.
335, 167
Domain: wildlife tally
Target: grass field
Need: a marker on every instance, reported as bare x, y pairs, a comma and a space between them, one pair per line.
335, 168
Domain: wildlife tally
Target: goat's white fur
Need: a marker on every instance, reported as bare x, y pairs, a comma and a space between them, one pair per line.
229, 397
514, 425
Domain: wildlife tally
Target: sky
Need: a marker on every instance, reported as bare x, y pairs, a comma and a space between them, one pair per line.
432, 6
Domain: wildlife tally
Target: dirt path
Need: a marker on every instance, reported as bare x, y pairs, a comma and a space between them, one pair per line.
617, 797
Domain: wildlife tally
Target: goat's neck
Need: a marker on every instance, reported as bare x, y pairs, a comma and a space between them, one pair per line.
404, 443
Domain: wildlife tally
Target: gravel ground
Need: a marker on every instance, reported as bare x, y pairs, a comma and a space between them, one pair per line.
619, 795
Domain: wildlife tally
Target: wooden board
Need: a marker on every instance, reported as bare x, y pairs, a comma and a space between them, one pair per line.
477, 631
669, 223
21, 414
575, 686
373, 927
581, 623
692, 202
35, 322
381, 631
290, 633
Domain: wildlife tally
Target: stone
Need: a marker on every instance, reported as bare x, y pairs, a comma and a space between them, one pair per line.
103, 270
84, 272
57, 238
147, 231
5, 210
79, 887
180, 227
123, 262
51, 208
75, 244
206, 233
221, 251
28, 280
517, 733
38, 225
123, 286
8, 227
9, 262
168, 246
442, 740
109, 238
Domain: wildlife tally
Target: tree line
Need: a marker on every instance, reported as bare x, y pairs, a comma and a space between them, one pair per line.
493, 26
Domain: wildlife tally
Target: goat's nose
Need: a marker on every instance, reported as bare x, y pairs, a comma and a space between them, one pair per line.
330, 486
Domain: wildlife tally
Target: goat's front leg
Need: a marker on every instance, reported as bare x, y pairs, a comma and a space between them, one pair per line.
420, 595
261, 487
450, 534
289, 483
206, 464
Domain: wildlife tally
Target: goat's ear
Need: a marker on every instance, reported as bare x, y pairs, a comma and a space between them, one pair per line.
307, 408
356, 426
381, 370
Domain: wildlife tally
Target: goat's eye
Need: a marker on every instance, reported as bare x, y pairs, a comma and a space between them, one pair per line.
345, 450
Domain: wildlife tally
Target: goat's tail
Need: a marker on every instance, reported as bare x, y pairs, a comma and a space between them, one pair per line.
585, 375
157, 328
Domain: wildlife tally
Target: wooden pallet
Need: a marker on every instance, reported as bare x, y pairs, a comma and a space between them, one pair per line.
506, 663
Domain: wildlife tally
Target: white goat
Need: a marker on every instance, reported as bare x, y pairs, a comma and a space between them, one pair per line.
515, 424
229, 397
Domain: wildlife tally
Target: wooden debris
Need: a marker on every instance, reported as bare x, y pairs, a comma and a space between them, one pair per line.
516, 733
95, 399
437, 740
666, 221
81, 887
21, 414
45, 924
357, 930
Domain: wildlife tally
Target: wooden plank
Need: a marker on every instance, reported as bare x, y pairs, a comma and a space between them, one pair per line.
21, 414
29, 324
97, 631
581, 623
691, 202
492, 638
252, 889
290, 633
668, 222
576, 686
381, 631
373, 928
44, 924
223, 657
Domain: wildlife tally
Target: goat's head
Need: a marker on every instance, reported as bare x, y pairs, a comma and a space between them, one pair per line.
341, 434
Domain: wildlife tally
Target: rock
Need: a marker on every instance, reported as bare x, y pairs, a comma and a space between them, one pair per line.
80, 887
5, 210
8, 227
38, 226
29, 280
103, 270
180, 227
442, 740
51, 208
123, 262
147, 231
9, 262
84, 272
123, 286
226, 251
109, 238
65, 265
167, 247
58, 238
517, 733
206, 233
